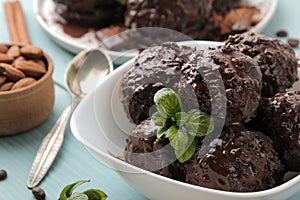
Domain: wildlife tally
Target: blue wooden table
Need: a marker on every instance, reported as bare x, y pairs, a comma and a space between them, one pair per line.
74, 162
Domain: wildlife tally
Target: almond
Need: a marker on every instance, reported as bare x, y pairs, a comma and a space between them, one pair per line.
11, 73
18, 59
6, 86
13, 51
2, 80
33, 52
41, 63
3, 48
31, 68
24, 82
4, 58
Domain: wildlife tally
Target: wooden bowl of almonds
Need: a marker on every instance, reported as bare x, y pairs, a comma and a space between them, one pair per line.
26, 88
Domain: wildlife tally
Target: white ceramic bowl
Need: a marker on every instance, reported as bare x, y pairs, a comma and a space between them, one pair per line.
100, 124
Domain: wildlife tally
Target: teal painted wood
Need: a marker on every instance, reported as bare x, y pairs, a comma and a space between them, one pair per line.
74, 162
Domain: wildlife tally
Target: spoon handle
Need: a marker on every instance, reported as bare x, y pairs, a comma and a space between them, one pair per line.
48, 149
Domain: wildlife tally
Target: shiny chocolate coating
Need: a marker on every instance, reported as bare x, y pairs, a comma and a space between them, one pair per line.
276, 59
186, 16
156, 67
90, 13
239, 161
209, 80
279, 118
143, 149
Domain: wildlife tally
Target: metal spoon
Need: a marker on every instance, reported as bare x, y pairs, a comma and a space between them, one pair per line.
81, 77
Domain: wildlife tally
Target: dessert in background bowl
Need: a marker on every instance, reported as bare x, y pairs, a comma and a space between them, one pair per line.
26, 88
214, 19
199, 19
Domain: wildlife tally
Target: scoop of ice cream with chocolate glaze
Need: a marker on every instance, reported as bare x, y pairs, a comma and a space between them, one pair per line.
276, 59
239, 161
279, 118
221, 71
156, 67
90, 13
143, 149
185, 16
219, 81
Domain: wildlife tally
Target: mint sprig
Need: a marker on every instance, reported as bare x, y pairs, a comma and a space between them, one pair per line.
123, 2
91, 194
181, 128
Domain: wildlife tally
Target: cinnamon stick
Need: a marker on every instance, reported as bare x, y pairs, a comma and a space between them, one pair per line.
10, 18
16, 22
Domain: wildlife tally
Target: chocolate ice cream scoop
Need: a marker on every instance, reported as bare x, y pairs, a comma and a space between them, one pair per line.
219, 81
90, 13
143, 149
279, 118
220, 71
185, 16
239, 161
276, 59
156, 67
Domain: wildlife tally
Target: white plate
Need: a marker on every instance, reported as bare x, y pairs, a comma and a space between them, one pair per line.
96, 123
44, 12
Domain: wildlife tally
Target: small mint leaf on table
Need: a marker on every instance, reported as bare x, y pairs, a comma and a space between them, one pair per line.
78, 196
91, 194
181, 128
95, 194
68, 190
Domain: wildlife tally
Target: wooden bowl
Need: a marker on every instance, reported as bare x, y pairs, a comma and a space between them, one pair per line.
26, 108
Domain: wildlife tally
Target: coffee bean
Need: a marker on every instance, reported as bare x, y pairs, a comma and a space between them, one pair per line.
282, 33
38, 193
3, 174
293, 42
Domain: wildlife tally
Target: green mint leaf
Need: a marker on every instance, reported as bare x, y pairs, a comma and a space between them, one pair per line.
95, 194
167, 102
179, 139
171, 132
92, 194
183, 157
123, 2
199, 123
161, 132
78, 196
180, 128
68, 190
158, 119
181, 118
